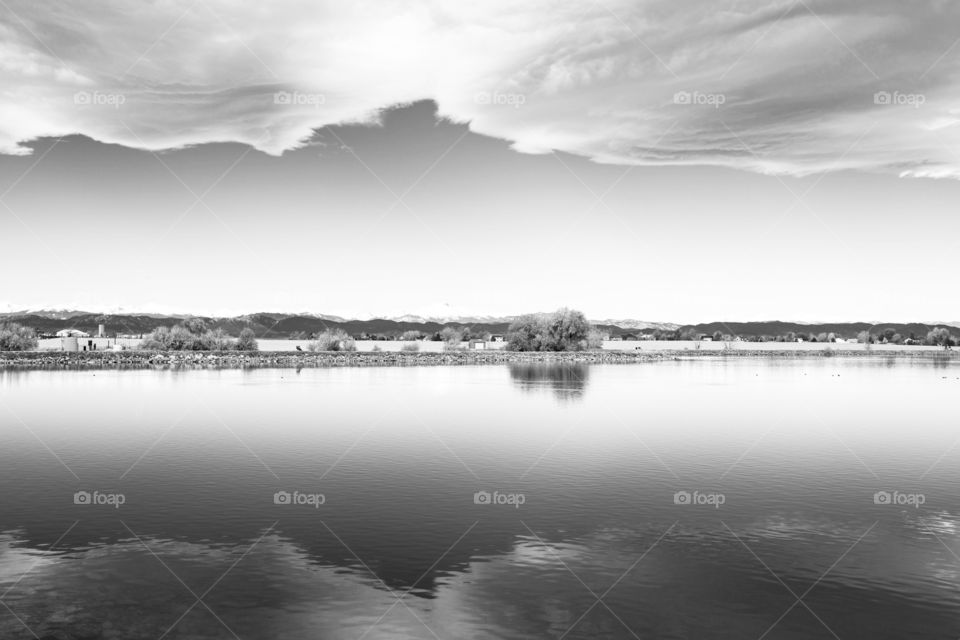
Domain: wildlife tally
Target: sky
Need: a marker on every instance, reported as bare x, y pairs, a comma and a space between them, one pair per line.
680, 162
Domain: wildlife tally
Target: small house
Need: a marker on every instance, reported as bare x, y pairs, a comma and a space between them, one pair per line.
478, 345
497, 337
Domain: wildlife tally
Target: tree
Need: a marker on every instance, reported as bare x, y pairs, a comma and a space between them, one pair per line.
567, 330
451, 338
562, 330
196, 326
411, 335
16, 337
864, 337
940, 337
247, 341
526, 333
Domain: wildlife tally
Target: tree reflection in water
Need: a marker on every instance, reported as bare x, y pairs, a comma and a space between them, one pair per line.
568, 381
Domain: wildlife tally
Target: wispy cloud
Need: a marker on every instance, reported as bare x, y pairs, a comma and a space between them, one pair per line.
792, 86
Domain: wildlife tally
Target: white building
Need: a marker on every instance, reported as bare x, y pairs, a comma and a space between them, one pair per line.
72, 333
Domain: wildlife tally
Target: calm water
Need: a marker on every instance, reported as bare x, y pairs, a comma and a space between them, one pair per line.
702, 499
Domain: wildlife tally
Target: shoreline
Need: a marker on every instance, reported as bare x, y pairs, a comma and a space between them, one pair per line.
28, 360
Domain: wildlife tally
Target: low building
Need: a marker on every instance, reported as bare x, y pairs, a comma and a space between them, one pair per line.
72, 333
497, 337
75, 343
478, 344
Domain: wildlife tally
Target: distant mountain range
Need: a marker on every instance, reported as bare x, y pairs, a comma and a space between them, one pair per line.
286, 325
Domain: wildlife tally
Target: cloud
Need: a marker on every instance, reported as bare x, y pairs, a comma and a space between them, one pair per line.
789, 87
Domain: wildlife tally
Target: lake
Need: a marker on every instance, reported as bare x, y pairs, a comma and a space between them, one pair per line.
703, 498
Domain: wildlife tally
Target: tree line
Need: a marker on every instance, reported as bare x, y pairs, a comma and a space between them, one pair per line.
939, 336
193, 335
562, 330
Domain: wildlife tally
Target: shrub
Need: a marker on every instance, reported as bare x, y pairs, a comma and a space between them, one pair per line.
157, 340
15, 337
411, 335
410, 346
182, 339
595, 339
247, 340
216, 340
335, 340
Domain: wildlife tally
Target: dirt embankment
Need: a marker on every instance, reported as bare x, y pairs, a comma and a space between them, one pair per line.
296, 359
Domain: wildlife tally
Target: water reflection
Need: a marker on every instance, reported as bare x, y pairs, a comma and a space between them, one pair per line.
399, 455
566, 380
